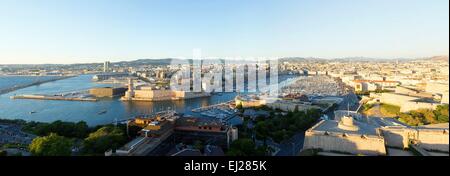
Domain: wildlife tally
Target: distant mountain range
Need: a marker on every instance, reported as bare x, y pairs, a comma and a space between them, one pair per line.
439, 58
354, 59
363, 59
167, 61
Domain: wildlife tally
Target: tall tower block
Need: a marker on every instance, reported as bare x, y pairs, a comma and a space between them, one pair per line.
106, 66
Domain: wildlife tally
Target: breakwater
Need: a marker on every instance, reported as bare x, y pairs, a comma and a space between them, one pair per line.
25, 85
50, 97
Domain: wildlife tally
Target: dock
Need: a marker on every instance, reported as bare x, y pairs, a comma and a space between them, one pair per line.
206, 108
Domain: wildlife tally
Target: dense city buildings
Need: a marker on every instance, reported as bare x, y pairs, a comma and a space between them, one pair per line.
224, 87
318, 106
165, 127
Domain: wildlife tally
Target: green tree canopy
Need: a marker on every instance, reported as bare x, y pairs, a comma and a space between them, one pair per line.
245, 147
280, 128
3, 153
66, 129
198, 145
103, 139
441, 113
51, 145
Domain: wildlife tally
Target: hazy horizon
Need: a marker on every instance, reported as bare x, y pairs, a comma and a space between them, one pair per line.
136, 59
83, 31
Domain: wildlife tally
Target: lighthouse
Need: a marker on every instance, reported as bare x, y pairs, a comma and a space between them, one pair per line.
130, 93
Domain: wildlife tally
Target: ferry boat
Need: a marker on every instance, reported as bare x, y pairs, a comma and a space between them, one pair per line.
102, 112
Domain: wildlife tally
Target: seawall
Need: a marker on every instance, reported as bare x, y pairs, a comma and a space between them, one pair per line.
10, 89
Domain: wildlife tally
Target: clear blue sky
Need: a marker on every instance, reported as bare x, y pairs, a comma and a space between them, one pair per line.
74, 31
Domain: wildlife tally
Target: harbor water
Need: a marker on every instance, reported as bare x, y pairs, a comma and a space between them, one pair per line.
106, 110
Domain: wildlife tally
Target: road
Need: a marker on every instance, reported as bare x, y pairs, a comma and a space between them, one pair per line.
350, 101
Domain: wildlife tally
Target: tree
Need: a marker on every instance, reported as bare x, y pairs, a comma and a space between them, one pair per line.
3, 153
425, 116
198, 145
282, 128
81, 129
66, 129
133, 131
105, 138
245, 147
51, 145
428, 116
296, 109
278, 136
442, 119
441, 113
261, 131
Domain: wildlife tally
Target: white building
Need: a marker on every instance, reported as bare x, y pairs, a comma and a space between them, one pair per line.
106, 66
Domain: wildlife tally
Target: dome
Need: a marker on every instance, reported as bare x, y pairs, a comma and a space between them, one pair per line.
347, 123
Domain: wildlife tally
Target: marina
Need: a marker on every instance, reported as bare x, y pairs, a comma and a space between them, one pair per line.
221, 111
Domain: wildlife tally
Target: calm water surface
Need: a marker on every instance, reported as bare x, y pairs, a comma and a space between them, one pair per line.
74, 111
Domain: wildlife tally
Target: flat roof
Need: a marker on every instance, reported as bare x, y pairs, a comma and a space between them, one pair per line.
194, 121
435, 126
332, 126
378, 81
132, 143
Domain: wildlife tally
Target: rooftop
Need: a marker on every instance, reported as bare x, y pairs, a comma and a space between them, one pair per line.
436, 126
336, 126
188, 152
133, 143
212, 150
192, 121
374, 81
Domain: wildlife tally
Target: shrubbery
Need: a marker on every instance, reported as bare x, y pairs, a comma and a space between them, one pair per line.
425, 116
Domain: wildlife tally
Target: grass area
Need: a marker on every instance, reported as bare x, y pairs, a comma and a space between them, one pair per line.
381, 110
367, 107
389, 110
